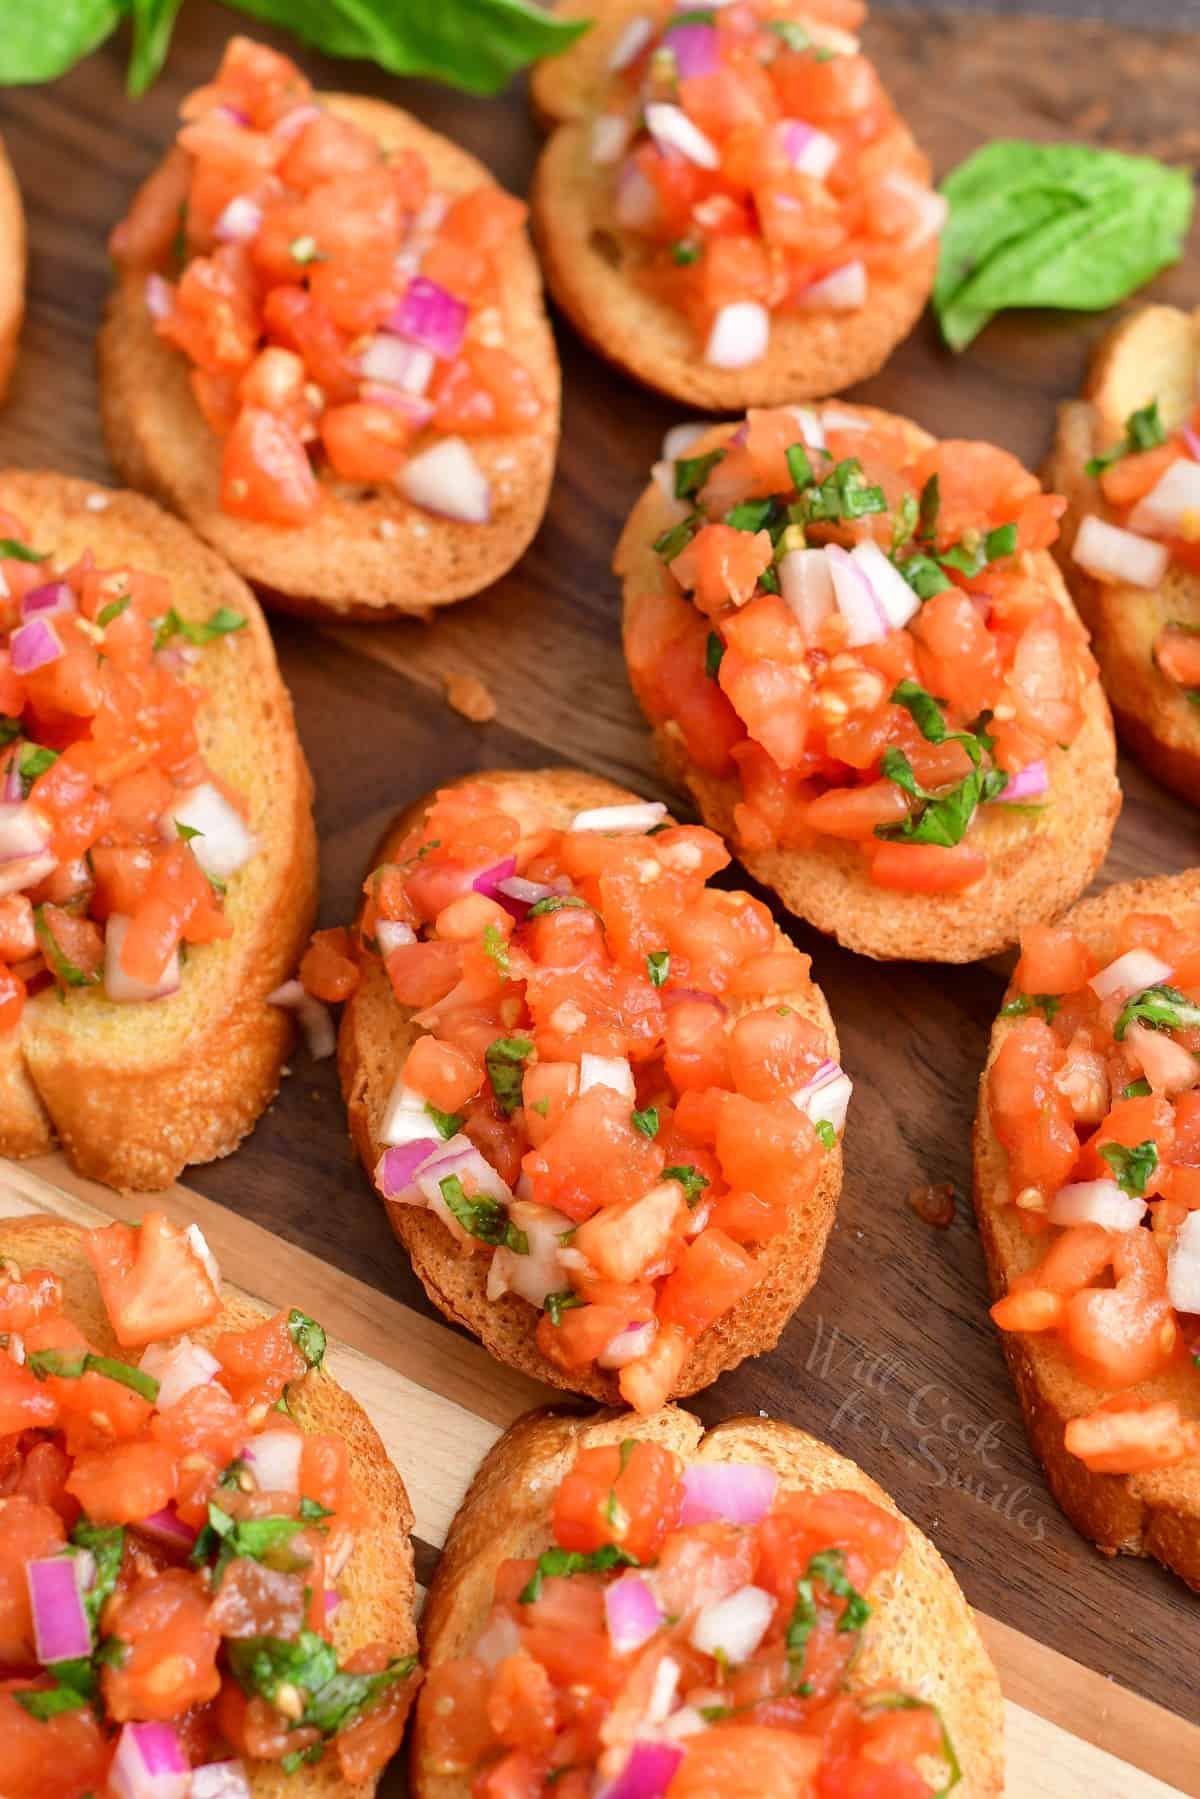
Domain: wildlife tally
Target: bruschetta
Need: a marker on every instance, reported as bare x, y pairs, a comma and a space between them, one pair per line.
206, 1580
1087, 1188
157, 853
1127, 456
863, 666
12, 269
728, 206
327, 349
689, 1615
599, 1099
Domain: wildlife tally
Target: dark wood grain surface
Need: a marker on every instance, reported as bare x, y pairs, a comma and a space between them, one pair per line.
893, 1358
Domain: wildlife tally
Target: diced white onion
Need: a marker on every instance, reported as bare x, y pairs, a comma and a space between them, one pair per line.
1183, 1266
1172, 507
611, 132
316, 1020
806, 584
405, 1117
811, 428
391, 933
734, 1626
1112, 554
856, 598
680, 438
662, 1694
628, 1345
642, 816
606, 1071
740, 334
842, 290
178, 1370
223, 842
273, 1458
1131, 973
671, 129
826, 1098
630, 44
539, 1272
198, 1244
1096, 1202
219, 1780
447, 479
394, 360
893, 592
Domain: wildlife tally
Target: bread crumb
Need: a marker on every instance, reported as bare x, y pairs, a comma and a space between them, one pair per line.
96, 502
934, 1205
468, 695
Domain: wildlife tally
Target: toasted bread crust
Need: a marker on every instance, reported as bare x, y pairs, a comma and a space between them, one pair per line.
12, 269
136, 1093
590, 263
370, 554
375, 1036
1154, 1514
921, 1636
1153, 715
1038, 863
378, 1584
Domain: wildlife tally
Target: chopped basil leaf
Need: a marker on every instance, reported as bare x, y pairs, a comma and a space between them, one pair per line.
826, 1133
924, 576
972, 555
1131, 1168
308, 1337
685, 252
198, 631
114, 609
678, 537
564, 1562
714, 655
930, 507
12, 550
541, 1107
70, 1364
9, 729
843, 494
691, 472
794, 36
689, 1178
799, 467
265, 1540
79, 1673
496, 948
1023, 1003
333, 1699
554, 902
646, 1122
1159, 1008
484, 1219
906, 1702
769, 579
658, 966
33, 760
50, 1702
557, 1303
755, 515
186, 832
312, 1511
1137, 1090
446, 1124
301, 1758
926, 713
304, 250
106, 1544
627, 1447
506, 1059
1144, 430
830, 1566
58, 962
941, 818
904, 522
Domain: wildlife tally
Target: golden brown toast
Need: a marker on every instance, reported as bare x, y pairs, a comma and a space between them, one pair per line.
369, 554
1154, 353
375, 1037
921, 1636
1154, 1514
12, 268
590, 264
1039, 862
134, 1093
378, 1585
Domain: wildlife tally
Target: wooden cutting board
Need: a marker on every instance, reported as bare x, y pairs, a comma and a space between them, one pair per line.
439, 1403
893, 1359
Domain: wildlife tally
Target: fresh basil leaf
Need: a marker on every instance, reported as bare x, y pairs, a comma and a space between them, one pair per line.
799, 467
153, 23
826, 1133
1143, 431
344, 1698
930, 507
558, 1563
312, 1511
484, 1219
42, 39
1160, 1008
1023, 1003
924, 576
755, 515
689, 1178
114, 609
106, 1544
844, 493
446, 1124
261, 1665
646, 1122
1131, 1168
906, 1702
555, 1304
266, 1540
11, 548
658, 966
1137, 1090
496, 948
691, 472
506, 1059
50, 1702
685, 252
308, 1337
70, 1364
555, 902
829, 1566
714, 655
677, 538
220, 623
58, 962
33, 760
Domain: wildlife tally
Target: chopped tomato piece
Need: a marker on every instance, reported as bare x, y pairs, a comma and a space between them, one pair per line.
152, 1281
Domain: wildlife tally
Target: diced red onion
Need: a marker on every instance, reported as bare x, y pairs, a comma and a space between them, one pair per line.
393, 933
1192, 439
239, 222
60, 1626
642, 816
611, 132
430, 316
1183, 1266
696, 49
25, 871
631, 1613
540, 1271
898, 599
630, 44
24, 831
232, 115
1029, 783
33, 645
488, 880
806, 584
168, 1529
293, 123
448, 480
392, 360
727, 1493
223, 841
1167, 1065
842, 290
179, 1369
13, 788
930, 209
733, 1628
395, 1169
56, 596
1173, 503
677, 996
1131, 973
809, 151
149, 1764
811, 427
1096, 1202
826, 1097
1111, 553
460, 1157
219, 1780
523, 893
647, 1774
606, 1071
635, 205
160, 297
316, 1020
740, 335
671, 129
856, 598
273, 1458
415, 407
628, 1345
331, 1601
125, 989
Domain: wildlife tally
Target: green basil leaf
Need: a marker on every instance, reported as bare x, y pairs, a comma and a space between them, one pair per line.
106, 1544
555, 902
446, 1124
691, 472
689, 1178
50, 1702
646, 1122
484, 1219
153, 23
308, 1337
1131, 1168
826, 1133
555, 1304
114, 609
1023, 1003
70, 1364
506, 1059
11, 548
564, 1562
1160, 1008
58, 962
844, 493
198, 631
658, 966
714, 655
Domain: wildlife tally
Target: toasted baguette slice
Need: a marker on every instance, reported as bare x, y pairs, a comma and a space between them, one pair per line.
369, 554
1154, 1514
12, 269
378, 1584
1152, 354
134, 1093
921, 1637
591, 265
375, 1037
1039, 862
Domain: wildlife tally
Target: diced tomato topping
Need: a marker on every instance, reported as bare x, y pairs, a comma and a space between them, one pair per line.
152, 1280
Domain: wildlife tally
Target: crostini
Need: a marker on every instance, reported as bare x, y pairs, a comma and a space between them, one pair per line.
693, 1615
599, 1098
863, 666
729, 207
157, 852
12, 269
327, 348
1127, 457
1087, 1184
206, 1580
